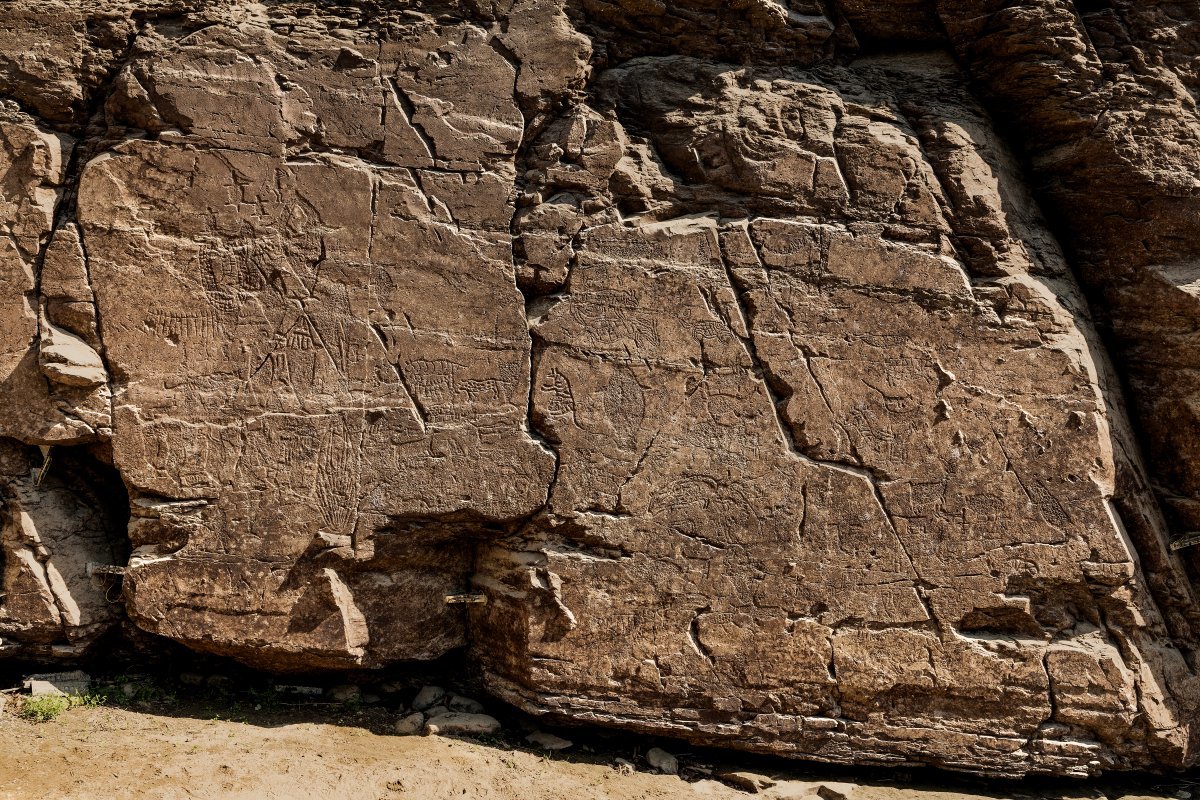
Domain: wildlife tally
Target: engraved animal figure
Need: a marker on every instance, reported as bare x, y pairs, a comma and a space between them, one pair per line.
714, 512
884, 442
612, 299
561, 401
710, 330
433, 380
287, 259
488, 388
610, 328
726, 410
177, 325
228, 273
643, 331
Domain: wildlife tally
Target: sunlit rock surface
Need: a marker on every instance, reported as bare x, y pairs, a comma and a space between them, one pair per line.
807, 378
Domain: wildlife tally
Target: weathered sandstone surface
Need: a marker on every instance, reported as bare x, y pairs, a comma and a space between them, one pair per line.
816, 378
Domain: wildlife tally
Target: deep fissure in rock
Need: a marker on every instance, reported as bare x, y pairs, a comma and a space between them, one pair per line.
65, 519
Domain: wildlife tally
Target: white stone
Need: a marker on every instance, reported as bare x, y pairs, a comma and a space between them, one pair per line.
344, 693
749, 782
465, 704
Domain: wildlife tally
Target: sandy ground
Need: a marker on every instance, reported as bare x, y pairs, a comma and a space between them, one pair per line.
107, 752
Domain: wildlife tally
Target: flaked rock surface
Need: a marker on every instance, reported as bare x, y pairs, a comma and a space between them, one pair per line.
812, 378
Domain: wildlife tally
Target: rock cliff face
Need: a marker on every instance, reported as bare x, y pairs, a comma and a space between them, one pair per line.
764, 365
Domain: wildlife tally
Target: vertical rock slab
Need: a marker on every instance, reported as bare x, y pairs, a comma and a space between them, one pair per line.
47, 397
323, 356
864, 380
1107, 110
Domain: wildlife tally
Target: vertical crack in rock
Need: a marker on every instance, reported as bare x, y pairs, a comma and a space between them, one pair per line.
69, 364
694, 636
777, 401
405, 106
419, 413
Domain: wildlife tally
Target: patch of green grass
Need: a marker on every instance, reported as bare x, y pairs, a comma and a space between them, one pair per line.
45, 707
91, 699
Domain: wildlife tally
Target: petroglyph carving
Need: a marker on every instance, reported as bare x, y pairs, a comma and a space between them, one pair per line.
624, 404
434, 380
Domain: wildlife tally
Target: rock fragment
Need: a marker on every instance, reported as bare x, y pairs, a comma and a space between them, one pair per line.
410, 724
75, 682
454, 723
457, 702
662, 761
428, 697
750, 782
544, 740
344, 693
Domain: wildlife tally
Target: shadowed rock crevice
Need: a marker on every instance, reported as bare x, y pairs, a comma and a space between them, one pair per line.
1118, 217
64, 530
